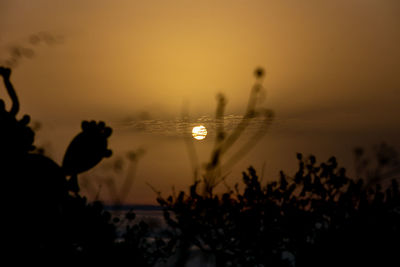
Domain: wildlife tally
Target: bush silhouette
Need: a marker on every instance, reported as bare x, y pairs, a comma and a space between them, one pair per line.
318, 217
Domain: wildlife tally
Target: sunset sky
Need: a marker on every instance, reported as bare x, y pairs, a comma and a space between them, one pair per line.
333, 77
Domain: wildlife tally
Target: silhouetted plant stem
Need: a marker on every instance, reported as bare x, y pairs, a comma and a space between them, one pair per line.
5, 72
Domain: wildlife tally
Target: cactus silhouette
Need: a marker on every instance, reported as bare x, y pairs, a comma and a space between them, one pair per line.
43, 213
15, 136
86, 150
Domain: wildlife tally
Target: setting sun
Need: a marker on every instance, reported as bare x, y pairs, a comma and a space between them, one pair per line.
199, 132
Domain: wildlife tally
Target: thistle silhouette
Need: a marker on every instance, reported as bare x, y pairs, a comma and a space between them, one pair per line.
217, 168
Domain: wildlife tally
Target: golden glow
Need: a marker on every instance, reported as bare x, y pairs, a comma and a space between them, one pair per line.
199, 132
157, 55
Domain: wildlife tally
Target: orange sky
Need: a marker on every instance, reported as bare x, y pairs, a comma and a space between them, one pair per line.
333, 74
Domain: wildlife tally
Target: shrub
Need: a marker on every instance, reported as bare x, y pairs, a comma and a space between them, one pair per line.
318, 217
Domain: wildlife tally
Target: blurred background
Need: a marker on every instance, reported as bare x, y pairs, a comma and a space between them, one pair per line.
332, 79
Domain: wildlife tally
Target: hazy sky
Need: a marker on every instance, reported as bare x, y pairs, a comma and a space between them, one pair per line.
333, 75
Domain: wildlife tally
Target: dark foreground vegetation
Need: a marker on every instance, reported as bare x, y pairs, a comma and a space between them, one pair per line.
317, 217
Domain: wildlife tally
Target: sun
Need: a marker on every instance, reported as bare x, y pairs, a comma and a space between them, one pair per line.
199, 132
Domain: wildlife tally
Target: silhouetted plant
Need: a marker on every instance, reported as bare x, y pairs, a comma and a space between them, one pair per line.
142, 245
46, 212
106, 176
46, 215
318, 217
217, 168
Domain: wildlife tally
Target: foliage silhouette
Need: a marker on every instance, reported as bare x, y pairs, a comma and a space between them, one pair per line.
46, 216
318, 217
